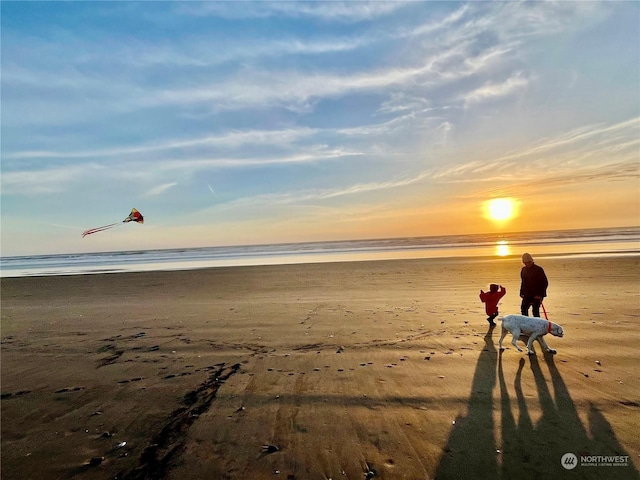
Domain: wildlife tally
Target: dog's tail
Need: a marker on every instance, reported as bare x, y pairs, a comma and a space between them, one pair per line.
500, 318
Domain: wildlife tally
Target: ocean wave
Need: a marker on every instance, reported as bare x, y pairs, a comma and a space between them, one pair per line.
587, 241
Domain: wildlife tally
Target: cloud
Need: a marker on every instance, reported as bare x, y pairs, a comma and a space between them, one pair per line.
309, 155
46, 181
57, 179
229, 139
402, 102
491, 91
476, 37
345, 12
575, 150
299, 91
619, 135
315, 195
160, 189
612, 172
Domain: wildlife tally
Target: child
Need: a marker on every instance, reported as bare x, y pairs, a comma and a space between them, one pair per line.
491, 299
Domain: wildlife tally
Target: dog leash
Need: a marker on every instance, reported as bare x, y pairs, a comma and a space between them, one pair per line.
544, 310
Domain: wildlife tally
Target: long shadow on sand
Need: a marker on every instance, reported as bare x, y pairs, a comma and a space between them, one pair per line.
528, 450
471, 450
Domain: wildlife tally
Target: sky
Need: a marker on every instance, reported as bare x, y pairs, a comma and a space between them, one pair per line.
233, 123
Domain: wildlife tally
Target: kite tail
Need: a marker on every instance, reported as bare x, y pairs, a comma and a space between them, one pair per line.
99, 229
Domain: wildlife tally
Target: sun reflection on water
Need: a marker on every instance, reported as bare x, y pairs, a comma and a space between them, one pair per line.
503, 249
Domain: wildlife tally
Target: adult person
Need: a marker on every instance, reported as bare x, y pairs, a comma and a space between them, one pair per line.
533, 287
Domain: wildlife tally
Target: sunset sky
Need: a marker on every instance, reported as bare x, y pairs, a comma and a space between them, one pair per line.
230, 123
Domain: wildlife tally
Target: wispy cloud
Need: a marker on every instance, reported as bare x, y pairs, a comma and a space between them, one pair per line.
318, 195
571, 151
552, 181
46, 181
57, 179
160, 189
490, 91
320, 154
347, 12
463, 52
229, 139
620, 135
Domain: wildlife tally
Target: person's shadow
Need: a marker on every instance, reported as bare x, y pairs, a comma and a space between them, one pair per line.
527, 450
514, 454
471, 449
561, 431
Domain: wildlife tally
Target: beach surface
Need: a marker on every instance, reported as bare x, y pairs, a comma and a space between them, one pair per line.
358, 370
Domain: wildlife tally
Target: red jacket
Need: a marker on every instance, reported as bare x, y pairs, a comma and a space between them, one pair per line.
491, 299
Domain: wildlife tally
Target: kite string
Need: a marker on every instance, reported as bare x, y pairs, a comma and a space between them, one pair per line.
99, 229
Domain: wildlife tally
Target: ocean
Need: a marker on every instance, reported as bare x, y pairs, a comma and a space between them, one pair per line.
594, 242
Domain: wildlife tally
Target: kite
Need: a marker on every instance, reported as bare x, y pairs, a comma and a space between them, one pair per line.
134, 216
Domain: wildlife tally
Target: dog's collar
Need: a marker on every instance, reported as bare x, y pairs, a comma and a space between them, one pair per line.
549, 329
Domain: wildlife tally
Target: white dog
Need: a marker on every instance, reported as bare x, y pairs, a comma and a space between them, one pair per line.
532, 327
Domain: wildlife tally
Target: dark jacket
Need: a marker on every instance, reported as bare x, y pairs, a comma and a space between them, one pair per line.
534, 282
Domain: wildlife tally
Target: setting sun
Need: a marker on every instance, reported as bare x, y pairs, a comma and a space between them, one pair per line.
500, 209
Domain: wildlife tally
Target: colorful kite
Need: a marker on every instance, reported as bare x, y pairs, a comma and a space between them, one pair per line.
134, 216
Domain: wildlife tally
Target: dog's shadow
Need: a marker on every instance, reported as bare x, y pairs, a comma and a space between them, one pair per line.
526, 449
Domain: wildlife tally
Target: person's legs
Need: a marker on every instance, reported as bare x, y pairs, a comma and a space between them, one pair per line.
524, 307
535, 307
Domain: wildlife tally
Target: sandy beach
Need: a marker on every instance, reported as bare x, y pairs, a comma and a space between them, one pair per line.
382, 369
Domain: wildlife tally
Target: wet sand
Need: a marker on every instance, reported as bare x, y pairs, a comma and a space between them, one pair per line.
358, 370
